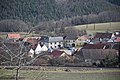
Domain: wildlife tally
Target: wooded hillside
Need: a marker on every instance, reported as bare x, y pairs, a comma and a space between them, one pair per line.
44, 10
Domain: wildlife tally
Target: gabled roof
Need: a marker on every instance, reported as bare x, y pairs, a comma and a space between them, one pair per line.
96, 46
13, 36
103, 35
31, 40
31, 52
38, 49
116, 46
51, 39
70, 37
97, 54
83, 38
56, 53
55, 39
44, 48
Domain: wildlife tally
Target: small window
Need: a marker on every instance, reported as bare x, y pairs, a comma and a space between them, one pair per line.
55, 42
50, 43
51, 47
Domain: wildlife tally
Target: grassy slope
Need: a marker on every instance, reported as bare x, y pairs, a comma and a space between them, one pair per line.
100, 27
108, 74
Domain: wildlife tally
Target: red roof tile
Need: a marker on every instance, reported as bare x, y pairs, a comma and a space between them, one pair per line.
13, 36
56, 53
118, 39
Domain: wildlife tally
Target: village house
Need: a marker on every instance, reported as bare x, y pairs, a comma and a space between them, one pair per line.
83, 39
52, 42
117, 36
33, 41
57, 53
11, 37
37, 50
31, 53
97, 55
42, 60
97, 46
70, 41
102, 37
94, 53
117, 39
68, 52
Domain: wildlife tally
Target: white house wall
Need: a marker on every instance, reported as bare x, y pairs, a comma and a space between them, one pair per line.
54, 45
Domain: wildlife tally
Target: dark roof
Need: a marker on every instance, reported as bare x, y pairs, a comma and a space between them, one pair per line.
56, 53
51, 39
70, 37
116, 46
103, 35
96, 46
97, 54
44, 39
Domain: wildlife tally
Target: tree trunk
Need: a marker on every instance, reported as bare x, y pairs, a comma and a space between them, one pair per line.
17, 73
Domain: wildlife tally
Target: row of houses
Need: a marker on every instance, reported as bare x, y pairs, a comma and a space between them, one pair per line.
85, 48
66, 41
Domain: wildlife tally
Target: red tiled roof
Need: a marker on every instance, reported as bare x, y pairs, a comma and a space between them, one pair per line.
56, 53
13, 36
84, 37
118, 39
32, 41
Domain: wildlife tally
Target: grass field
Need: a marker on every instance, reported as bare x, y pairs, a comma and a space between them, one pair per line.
99, 27
108, 74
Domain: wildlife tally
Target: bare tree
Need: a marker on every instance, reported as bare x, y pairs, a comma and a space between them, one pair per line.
15, 54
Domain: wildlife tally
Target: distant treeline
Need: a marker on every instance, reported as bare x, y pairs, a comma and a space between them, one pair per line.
11, 25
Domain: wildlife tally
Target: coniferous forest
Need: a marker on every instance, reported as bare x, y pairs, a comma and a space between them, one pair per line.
72, 12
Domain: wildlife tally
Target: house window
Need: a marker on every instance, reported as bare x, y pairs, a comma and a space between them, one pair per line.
73, 40
50, 43
55, 42
55, 46
51, 47
69, 40
59, 46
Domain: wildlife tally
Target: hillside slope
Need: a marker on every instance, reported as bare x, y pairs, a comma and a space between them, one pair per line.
44, 10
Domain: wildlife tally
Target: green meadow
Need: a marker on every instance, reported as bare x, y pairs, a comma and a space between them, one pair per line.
107, 74
99, 27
